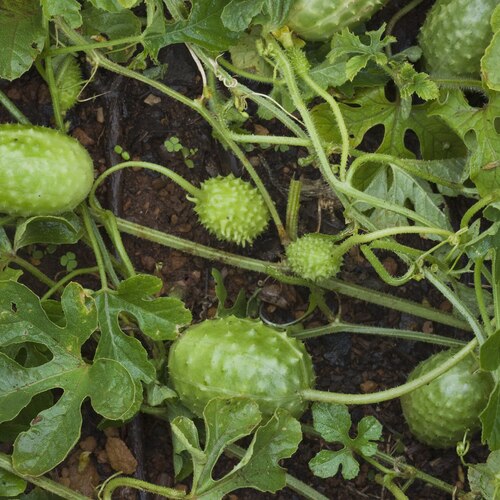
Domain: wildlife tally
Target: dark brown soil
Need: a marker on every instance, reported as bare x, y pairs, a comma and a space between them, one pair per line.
140, 120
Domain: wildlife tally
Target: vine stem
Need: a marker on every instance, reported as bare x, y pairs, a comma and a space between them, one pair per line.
358, 239
395, 392
483, 202
130, 482
341, 327
457, 304
95, 247
42, 482
344, 134
276, 270
478, 286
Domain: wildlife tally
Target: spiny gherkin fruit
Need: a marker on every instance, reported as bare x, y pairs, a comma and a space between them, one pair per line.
455, 35
231, 209
320, 19
440, 412
238, 357
311, 257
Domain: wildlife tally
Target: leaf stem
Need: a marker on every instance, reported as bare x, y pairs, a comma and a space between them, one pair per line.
66, 279
13, 109
395, 392
95, 247
130, 482
33, 270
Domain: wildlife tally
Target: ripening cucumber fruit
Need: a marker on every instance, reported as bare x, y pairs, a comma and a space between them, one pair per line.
233, 357
319, 19
455, 35
439, 413
42, 171
231, 209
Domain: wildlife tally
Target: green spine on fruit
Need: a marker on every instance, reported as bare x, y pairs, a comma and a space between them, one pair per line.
455, 35
312, 257
320, 19
234, 357
43, 172
231, 209
439, 413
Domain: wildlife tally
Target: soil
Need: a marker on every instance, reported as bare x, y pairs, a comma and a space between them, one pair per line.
116, 111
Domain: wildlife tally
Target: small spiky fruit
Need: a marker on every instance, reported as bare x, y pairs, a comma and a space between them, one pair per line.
455, 36
439, 413
69, 80
234, 357
231, 209
311, 257
320, 19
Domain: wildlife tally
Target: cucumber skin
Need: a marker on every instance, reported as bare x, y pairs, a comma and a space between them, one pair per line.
439, 413
317, 20
233, 357
42, 171
455, 35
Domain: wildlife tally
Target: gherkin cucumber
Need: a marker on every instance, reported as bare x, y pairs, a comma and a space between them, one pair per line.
455, 36
440, 412
42, 171
320, 19
234, 357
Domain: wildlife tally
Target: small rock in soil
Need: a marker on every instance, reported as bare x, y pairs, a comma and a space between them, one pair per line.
119, 456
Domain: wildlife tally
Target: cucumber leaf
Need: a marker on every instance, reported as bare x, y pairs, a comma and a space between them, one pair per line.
203, 27
333, 422
22, 36
55, 430
490, 419
50, 229
484, 479
490, 69
227, 421
476, 127
158, 318
372, 108
11, 485
69, 10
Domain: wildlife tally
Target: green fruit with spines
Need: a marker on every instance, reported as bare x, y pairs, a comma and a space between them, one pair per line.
43, 172
312, 257
318, 20
455, 35
231, 209
234, 357
440, 412
69, 82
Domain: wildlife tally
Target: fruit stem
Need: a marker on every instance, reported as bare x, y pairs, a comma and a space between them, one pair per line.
178, 179
395, 392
